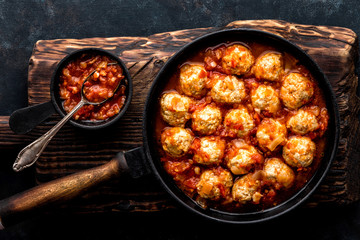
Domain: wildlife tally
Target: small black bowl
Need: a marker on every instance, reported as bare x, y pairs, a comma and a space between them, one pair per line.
24, 120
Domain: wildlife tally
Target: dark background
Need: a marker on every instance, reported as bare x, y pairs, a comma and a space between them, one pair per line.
24, 22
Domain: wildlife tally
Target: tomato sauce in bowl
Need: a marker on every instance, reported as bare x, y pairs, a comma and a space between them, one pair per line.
102, 85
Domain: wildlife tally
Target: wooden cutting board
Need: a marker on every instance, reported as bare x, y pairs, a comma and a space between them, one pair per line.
335, 49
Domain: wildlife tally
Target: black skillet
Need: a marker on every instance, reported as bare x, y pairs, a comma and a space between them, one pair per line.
24, 120
139, 161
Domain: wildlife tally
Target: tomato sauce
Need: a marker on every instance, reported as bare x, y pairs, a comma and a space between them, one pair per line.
186, 173
101, 85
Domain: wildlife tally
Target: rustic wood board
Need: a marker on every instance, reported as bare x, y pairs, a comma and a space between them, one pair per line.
335, 49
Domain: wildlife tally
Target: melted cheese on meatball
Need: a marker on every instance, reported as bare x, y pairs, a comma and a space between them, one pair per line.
246, 189
193, 80
206, 120
214, 183
228, 90
265, 98
271, 133
176, 141
277, 170
296, 90
210, 151
175, 109
269, 67
299, 151
242, 158
237, 59
303, 122
239, 122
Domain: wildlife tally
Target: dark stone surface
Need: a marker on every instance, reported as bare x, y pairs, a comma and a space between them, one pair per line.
24, 22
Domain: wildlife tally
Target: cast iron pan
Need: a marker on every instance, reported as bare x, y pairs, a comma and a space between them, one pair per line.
142, 160
24, 120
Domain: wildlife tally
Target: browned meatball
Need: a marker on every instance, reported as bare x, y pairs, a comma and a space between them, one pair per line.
246, 189
303, 122
269, 66
299, 151
210, 150
265, 98
229, 90
239, 122
206, 120
271, 133
296, 90
242, 157
276, 170
193, 80
214, 183
175, 108
176, 141
237, 59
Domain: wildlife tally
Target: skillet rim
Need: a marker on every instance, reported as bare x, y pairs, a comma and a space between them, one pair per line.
298, 198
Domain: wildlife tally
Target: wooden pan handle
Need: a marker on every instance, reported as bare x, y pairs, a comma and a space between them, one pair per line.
20, 206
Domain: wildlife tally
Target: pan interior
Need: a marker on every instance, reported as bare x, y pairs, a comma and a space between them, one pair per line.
214, 39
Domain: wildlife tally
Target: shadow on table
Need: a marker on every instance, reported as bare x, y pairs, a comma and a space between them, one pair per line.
302, 223
318, 223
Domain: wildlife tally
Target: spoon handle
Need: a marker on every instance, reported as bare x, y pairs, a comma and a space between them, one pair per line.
28, 155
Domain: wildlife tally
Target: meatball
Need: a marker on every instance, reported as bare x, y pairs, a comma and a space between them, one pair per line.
176, 141
296, 90
175, 109
228, 90
214, 184
239, 122
206, 120
271, 133
246, 189
279, 173
299, 151
303, 122
237, 59
209, 150
269, 66
241, 157
265, 98
193, 80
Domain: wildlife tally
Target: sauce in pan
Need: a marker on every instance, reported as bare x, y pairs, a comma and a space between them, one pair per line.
241, 127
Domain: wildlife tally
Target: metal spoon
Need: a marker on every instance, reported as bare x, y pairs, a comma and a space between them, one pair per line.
28, 155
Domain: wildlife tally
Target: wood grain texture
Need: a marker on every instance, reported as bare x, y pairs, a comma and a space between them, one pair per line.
335, 49
19, 206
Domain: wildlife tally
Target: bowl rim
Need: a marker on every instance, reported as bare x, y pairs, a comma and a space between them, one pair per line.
57, 102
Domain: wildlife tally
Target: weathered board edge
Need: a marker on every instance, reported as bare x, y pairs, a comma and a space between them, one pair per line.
357, 102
